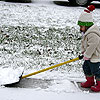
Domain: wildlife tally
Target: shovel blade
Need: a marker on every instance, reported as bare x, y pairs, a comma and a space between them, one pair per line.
13, 83
10, 77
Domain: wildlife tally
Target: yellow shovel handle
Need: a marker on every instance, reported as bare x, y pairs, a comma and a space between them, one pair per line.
51, 67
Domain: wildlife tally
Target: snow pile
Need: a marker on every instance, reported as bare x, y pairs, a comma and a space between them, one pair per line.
9, 75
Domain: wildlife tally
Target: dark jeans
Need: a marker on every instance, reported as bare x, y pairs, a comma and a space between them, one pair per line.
91, 69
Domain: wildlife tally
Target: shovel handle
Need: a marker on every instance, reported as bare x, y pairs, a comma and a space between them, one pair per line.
54, 66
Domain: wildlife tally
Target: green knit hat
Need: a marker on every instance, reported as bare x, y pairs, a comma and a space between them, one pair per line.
80, 23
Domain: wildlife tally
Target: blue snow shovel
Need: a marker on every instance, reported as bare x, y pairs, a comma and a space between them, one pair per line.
34, 73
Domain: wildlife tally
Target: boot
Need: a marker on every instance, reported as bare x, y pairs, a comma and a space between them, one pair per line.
90, 82
96, 88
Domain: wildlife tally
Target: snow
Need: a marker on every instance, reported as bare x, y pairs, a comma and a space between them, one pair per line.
35, 36
55, 17
9, 75
17, 94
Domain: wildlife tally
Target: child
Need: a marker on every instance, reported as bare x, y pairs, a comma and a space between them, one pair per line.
90, 49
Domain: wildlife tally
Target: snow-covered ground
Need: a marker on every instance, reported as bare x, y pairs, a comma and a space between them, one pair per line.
38, 35
30, 94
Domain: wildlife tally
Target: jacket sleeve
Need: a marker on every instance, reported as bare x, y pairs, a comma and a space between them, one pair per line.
93, 41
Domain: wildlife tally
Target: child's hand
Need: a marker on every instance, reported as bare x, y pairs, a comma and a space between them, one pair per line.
85, 58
